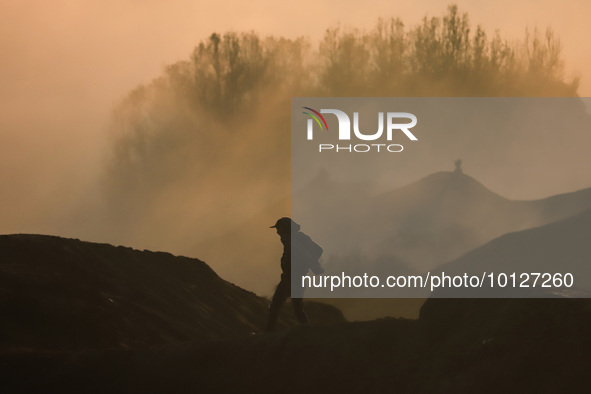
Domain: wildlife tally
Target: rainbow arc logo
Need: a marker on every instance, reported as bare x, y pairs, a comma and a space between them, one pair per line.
316, 115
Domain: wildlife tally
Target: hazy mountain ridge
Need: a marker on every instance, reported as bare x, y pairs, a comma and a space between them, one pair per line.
558, 247
448, 213
58, 293
431, 221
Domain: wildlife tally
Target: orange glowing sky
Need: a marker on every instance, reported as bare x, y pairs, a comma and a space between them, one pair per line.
66, 63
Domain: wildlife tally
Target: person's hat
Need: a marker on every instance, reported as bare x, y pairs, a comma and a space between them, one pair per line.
284, 222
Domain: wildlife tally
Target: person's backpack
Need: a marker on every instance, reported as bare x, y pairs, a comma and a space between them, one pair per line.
305, 253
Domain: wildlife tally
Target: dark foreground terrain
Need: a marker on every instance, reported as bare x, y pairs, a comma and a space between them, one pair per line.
65, 294
456, 346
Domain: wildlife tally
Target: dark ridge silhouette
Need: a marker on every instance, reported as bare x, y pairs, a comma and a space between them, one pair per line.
559, 247
65, 294
449, 213
431, 221
459, 346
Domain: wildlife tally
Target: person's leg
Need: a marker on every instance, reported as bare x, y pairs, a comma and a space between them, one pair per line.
298, 310
281, 294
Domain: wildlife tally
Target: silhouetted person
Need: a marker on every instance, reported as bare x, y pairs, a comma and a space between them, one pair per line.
305, 254
458, 164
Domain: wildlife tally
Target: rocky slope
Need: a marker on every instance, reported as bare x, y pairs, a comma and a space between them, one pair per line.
65, 294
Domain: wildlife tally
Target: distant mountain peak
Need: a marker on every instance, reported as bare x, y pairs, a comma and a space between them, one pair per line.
450, 183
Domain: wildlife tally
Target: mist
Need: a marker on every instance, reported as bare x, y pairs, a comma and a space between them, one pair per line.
201, 168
